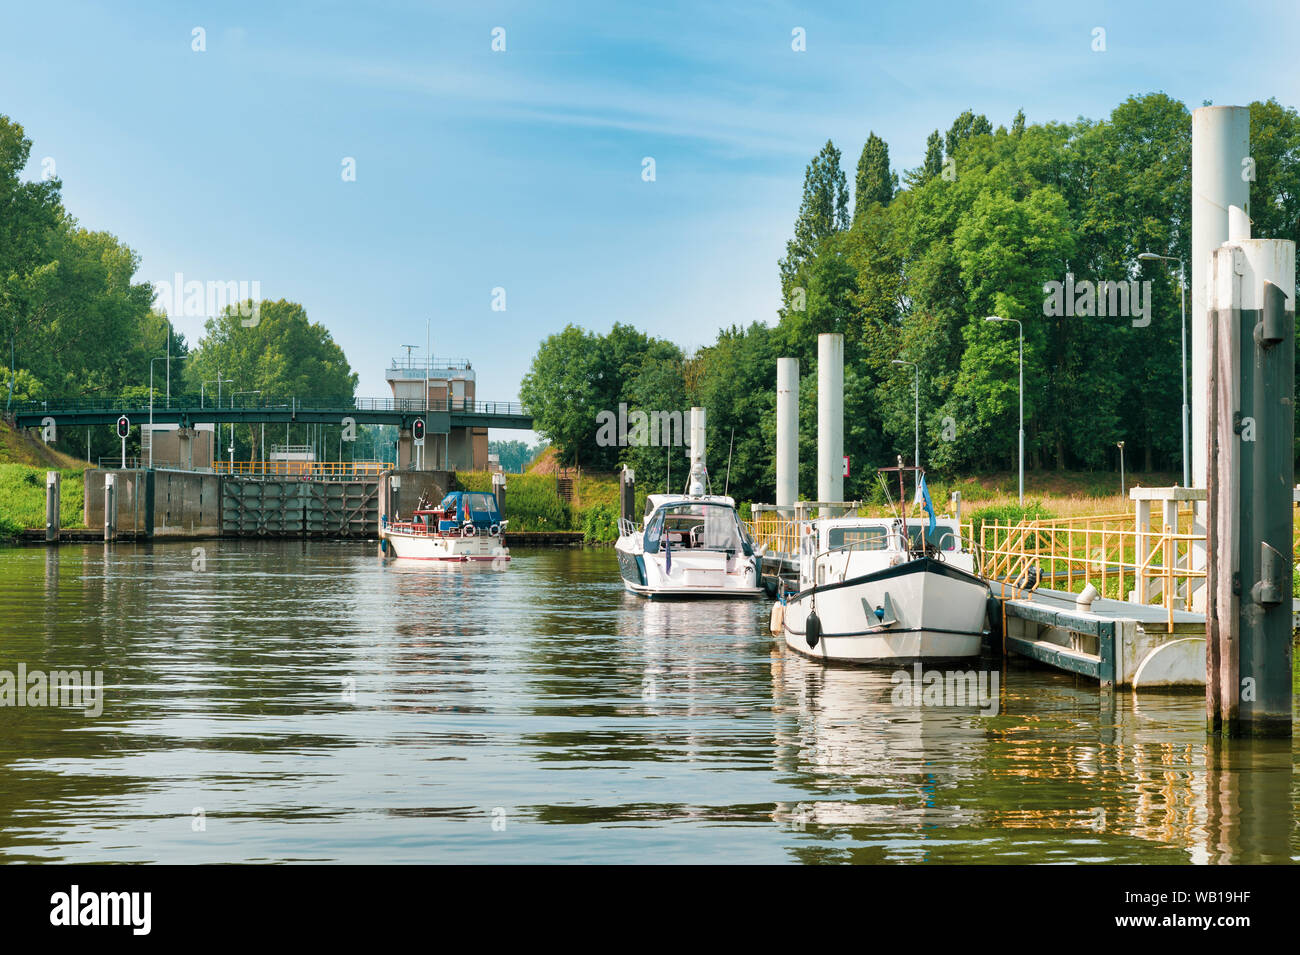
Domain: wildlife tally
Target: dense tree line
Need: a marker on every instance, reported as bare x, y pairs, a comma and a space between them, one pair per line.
281, 354
75, 322
990, 218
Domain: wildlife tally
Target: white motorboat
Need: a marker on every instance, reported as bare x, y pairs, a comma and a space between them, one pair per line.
466, 526
689, 545
881, 591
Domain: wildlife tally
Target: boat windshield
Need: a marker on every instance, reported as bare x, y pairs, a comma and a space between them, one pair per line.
480, 509
943, 537
874, 537
697, 525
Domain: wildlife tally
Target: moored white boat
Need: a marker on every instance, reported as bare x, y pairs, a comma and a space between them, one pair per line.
689, 545
880, 591
465, 526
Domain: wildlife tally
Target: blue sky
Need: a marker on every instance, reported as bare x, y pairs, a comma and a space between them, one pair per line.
522, 169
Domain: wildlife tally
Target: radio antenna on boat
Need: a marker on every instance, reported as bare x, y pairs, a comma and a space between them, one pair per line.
889, 499
730, 447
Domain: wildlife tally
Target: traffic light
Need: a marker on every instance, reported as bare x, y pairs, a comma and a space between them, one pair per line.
417, 429
123, 426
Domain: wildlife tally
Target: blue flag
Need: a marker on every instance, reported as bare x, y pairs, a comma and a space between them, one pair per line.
927, 503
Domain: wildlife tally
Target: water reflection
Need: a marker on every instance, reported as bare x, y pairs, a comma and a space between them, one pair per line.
317, 702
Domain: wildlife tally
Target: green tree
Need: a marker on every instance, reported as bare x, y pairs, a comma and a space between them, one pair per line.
823, 211
284, 355
875, 182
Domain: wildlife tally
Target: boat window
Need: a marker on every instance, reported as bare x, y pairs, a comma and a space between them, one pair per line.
702, 525
942, 537
653, 532
860, 538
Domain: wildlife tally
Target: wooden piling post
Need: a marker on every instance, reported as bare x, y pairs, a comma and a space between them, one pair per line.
627, 495
1250, 439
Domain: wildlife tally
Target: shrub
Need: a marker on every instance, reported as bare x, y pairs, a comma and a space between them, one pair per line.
600, 524
531, 501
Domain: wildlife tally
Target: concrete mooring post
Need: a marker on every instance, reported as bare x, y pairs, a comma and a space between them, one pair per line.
110, 507
1251, 429
394, 492
51, 506
499, 489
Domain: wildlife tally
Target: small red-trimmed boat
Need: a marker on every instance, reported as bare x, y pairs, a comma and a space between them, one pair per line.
466, 526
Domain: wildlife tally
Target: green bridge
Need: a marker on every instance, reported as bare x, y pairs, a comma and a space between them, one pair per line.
189, 410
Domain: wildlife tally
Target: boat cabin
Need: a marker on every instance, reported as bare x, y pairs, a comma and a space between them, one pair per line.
838, 548
707, 523
458, 509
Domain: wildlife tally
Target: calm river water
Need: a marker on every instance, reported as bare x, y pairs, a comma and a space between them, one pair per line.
305, 701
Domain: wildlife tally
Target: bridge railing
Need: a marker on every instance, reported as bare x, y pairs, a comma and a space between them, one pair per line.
140, 403
307, 470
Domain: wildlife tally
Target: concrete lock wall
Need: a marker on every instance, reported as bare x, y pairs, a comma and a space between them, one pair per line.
132, 517
433, 485
186, 504
165, 503
157, 503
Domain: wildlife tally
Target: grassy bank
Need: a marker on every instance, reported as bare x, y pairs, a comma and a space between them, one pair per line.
22, 498
23, 463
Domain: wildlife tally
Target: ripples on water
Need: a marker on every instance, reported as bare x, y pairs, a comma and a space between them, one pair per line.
315, 703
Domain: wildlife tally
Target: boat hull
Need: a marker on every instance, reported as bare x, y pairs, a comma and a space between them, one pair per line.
711, 575
447, 549
931, 611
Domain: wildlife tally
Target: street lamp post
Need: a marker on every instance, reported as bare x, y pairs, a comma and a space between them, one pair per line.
916, 414
1182, 340
169, 375
997, 318
1123, 491
151, 361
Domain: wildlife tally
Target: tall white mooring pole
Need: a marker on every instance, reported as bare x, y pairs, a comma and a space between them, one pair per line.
1220, 180
830, 417
787, 431
1221, 174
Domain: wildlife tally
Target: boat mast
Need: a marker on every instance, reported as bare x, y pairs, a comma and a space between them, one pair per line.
696, 482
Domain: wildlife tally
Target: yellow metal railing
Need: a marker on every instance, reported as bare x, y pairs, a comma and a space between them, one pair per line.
772, 533
1151, 566
304, 469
